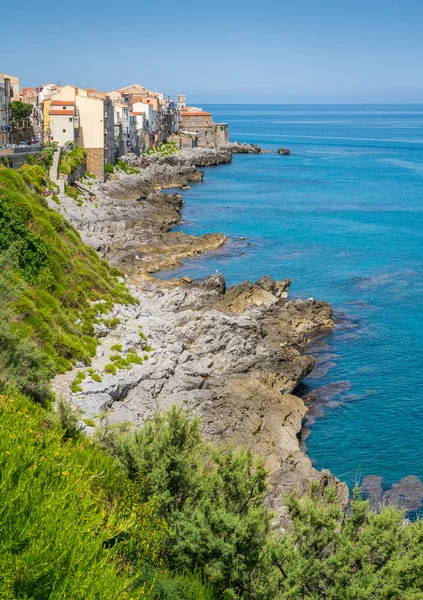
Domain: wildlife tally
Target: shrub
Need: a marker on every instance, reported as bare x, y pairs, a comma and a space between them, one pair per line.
71, 160
212, 498
108, 168
117, 347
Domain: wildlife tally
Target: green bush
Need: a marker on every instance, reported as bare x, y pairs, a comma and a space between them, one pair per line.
108, 168
72, 159
212, 498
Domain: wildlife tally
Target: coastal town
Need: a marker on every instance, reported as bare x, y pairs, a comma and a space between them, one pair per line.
108, 125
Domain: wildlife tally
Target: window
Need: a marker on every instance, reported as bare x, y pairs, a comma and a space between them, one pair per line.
64, 131
70, 119
64, 107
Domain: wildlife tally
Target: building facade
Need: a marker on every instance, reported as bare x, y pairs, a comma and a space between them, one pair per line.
6, 96
86, 119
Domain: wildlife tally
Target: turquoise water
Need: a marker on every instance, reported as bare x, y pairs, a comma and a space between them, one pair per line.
343, 218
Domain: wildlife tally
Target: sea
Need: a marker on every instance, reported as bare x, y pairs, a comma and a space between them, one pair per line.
342, 216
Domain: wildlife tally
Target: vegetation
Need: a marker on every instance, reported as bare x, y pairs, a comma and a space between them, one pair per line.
120, 164
213, 502
108, 168
45, 157
165, 149
70, 160
21, 113
162, 514
49, 282
73, 192
71, 524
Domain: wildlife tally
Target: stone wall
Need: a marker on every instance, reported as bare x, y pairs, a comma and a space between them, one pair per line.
210, 135
95, 162
222, 134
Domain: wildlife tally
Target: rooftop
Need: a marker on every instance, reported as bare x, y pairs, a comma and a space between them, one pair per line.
62, 103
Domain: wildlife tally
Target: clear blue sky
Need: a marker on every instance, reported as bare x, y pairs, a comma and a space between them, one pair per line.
281, 51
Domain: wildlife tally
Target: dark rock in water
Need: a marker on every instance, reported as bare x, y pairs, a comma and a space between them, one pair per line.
283, 151
237, 148
372, 489
406, 494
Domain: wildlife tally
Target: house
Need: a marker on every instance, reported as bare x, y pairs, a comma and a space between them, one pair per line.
14, 84
43, 107
199, 121
122, 127
6, 92
28, 95
141, 130
85, 118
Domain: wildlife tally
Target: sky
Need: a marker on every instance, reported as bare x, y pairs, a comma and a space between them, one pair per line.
222, 51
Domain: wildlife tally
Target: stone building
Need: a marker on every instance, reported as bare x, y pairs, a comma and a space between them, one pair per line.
198, 121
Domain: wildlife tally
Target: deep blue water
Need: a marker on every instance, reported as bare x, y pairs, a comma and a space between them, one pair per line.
343, 218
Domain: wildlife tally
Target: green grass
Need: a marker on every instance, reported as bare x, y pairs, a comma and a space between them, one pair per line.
165, 149
74, 193
116, 347
71, 526
108, 168
110, 368
120, 164
49, 280
75, 387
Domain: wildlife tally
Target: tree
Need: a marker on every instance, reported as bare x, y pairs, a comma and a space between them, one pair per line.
21, 113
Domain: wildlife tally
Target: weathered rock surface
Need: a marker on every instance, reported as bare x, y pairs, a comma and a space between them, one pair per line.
237, 148
407, 493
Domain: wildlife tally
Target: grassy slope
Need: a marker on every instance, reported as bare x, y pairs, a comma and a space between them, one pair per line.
49, 282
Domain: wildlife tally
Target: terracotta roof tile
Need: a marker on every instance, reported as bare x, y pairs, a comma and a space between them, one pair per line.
187, 113
61, 112
62, 103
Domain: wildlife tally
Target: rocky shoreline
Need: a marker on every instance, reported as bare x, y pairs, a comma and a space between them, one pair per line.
234, 356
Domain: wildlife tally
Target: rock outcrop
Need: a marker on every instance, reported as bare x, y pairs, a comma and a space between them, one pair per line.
284, 151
